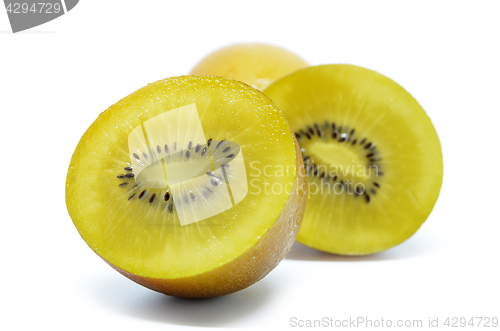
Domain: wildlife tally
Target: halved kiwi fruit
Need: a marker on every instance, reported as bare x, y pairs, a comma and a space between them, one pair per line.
158, 186
372, 156
256, 64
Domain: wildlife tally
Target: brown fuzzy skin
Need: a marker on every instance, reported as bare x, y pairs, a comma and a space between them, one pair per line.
251, 266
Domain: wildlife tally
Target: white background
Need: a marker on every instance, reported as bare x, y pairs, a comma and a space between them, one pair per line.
55, 79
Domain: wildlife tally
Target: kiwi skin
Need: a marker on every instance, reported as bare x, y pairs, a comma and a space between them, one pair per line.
251, 266
255, 64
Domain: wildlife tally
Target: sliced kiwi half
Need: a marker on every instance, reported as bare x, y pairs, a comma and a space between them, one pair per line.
372, 156
158, 186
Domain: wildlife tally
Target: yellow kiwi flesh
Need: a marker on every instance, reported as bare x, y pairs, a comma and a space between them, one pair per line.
373, 158
134, 227
256, 64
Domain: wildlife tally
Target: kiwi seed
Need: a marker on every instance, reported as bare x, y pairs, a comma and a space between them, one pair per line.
219, 144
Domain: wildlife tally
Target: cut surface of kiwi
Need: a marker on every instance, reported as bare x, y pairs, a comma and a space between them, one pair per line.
158, 186
372, 156
256, 64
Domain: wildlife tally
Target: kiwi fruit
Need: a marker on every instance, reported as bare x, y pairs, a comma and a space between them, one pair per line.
372, 157
158, 186
256, 64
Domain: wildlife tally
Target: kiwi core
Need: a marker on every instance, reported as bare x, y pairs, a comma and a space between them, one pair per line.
336, 156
